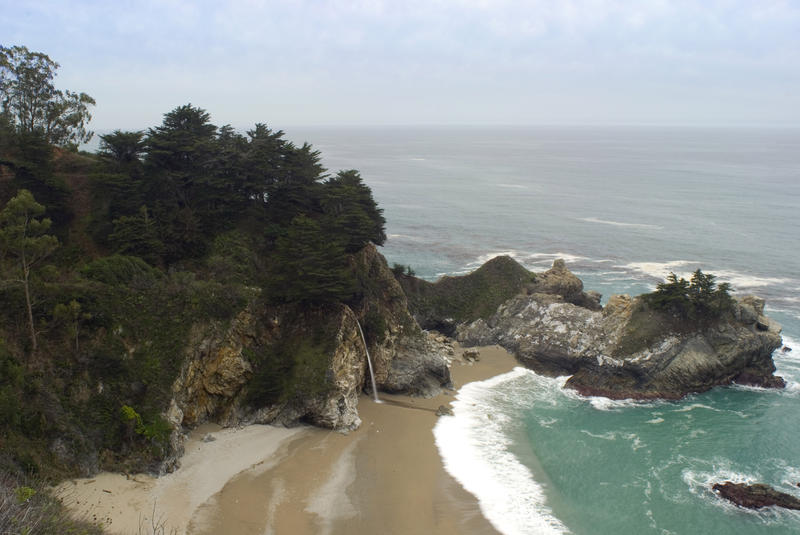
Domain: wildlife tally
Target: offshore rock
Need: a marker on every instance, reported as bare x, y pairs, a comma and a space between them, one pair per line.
629, 351
755, 496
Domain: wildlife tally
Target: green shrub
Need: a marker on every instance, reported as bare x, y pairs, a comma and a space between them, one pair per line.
697, 299
119, 270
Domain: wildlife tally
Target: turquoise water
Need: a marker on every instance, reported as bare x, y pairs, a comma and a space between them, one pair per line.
624, 207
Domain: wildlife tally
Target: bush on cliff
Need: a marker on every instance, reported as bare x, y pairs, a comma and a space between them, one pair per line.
699, 299
676, 306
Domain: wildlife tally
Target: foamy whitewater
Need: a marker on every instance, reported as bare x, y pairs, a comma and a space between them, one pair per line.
624, 207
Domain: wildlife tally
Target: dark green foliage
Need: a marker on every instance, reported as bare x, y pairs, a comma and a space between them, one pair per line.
33, 166
124, 148
119, 270
11, 383
137, 235
352, 212
308, 265
374, 326
232, 258
295, 366
402, 269
697, 299
465, 298
677, 306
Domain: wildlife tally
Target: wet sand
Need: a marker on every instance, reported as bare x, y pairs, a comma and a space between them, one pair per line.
385, 477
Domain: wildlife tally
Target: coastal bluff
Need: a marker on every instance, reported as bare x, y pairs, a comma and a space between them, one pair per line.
624, 350
238, 373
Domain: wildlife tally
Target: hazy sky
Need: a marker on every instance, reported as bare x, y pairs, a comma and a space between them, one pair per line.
374, 62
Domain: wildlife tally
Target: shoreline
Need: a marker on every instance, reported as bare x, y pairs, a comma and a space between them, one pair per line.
385, 477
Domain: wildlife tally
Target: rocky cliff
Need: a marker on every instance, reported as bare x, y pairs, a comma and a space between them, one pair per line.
626, 350
299, 363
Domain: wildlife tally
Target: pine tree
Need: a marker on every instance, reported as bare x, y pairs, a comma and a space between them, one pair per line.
308, 266
23, 245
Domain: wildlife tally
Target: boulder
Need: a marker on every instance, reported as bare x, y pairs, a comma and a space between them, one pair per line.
557, 280
471, 355
421, 367
755, 496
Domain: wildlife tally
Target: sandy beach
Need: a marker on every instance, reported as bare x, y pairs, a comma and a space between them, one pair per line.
385, 477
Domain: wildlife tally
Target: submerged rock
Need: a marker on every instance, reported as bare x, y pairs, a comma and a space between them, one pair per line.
627, 350
755, 496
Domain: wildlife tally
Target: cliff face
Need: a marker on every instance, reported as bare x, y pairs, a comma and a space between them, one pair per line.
292, 363
626, 351
407, 360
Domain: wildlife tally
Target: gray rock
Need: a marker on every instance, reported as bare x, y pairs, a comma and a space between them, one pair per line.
421, 368
471, 355
559, 338
444, 410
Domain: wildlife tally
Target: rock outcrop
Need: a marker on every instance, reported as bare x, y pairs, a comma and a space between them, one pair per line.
299, 363
755, 496
626, 350
450, 301
407, 359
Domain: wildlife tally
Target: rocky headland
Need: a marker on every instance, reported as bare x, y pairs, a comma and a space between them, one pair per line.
626, 349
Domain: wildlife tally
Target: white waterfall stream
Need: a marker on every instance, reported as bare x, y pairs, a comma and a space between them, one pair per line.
369, 365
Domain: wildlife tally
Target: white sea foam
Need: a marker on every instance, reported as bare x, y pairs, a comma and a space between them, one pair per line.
701, 481
660, 270
655, 421
610, 435
685, 268
693, 406
605, 404
747, 280
405, 237
474, 449
568, 258
620, 223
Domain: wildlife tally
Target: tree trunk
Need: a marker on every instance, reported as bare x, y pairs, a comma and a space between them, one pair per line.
26, 285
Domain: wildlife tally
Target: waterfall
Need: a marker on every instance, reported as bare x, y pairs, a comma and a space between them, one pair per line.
369, 364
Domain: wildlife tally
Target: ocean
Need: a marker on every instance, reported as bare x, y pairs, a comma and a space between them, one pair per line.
624, 206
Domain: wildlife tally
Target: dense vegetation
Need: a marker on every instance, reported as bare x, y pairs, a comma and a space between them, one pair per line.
108, 260
698, 299
451, 300
676, 306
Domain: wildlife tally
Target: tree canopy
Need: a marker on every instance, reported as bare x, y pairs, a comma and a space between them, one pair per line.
698, 298
166, 194
30, 101
23, 245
